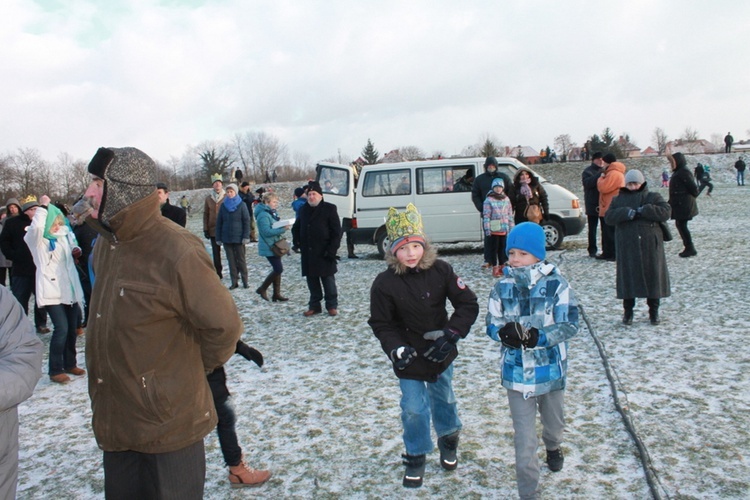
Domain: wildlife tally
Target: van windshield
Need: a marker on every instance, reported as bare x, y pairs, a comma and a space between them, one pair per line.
333, 180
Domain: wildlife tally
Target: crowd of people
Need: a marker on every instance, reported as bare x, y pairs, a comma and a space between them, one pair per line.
154, 399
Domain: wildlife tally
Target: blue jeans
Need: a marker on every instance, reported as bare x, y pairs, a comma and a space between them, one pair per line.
740, 177
62, 345
316, 292
419, 401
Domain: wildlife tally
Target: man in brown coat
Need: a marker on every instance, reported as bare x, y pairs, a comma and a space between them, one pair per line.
159, 321
210, 212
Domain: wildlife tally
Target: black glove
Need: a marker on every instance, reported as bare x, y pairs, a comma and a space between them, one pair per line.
403, 356
514, 335
249, 353
444, 344
206, 235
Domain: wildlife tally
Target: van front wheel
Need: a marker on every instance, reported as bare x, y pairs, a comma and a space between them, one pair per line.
382, 242
554, 233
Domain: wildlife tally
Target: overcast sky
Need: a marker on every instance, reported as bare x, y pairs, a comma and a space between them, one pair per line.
325, 76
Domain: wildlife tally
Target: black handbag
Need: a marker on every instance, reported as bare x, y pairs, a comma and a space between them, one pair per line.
666, 233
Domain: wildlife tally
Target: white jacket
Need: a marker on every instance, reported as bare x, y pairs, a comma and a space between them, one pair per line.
57, 279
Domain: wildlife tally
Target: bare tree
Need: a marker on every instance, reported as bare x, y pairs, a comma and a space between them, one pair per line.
72, 177
26, 166
411, 153
265, 153
564, 144
718, 141
690, 135
659, 139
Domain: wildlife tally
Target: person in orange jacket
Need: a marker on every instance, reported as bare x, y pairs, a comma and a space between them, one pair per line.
609, 184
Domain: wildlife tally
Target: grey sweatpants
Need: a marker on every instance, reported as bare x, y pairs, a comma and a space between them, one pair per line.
523, 412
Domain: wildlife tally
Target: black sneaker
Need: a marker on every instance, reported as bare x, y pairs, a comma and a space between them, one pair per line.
555, 460
415, 465
448, 446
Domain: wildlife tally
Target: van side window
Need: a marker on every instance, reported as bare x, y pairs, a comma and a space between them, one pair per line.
386, 183
443, 179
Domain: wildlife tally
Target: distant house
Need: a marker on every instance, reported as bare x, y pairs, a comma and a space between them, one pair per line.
530, 155
627, 147
701, 146
649, 151
393, 156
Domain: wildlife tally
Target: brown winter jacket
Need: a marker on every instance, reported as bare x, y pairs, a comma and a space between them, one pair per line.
160, 319
609, 184
210, 212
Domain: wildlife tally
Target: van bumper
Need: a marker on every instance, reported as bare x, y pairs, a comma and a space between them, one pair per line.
573, 225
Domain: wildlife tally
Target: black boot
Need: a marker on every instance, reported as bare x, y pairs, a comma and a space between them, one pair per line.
448, 446
266, 283
688, 252
277, 297
627, 316
414, 474
653, 311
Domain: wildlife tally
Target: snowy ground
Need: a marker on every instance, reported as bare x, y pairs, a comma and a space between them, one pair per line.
323, 412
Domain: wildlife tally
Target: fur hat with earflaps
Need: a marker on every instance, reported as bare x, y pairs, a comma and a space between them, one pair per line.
129, 175
404, 227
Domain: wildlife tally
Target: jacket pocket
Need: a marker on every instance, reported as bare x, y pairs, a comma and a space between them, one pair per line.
155, 401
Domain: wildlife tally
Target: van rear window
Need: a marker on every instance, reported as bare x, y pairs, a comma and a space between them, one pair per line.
445, 179
387, 183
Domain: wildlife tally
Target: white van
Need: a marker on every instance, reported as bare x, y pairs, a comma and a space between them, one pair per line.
449, 216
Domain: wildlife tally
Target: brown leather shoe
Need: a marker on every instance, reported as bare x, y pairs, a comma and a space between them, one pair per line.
332, 312
241, 475
42, 329
60, 378
310, 312
80, 331
76, 371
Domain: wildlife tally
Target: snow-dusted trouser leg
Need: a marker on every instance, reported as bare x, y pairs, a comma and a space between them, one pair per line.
523, 412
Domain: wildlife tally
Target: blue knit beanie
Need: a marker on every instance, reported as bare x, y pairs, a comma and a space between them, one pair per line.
529, 237
498, 181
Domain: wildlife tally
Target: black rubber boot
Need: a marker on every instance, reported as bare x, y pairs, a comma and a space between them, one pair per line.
448, 446
415, 465
627, 316
653, 311
264, 287
277, 297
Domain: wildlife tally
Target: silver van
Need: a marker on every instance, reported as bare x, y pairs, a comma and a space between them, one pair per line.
449, 216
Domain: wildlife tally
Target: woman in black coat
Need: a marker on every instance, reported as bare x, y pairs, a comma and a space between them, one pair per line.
642, 271
528, 191
682, 198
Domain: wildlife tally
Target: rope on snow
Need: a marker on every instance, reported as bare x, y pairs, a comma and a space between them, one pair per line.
616, 388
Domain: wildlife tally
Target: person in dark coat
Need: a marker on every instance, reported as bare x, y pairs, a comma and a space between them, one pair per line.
682, 198
728, 141
481, 188
317, 233
408, 316
23, 270
740, 166
240, 474
172, 212
528, 191
642, 270
591, 198
466, 182
233, 232
249, 199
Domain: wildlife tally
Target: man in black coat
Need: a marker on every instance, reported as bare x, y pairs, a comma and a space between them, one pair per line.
246, 195
591, 198
317, 233
172, 212
740, 166
483, 185
23, 269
